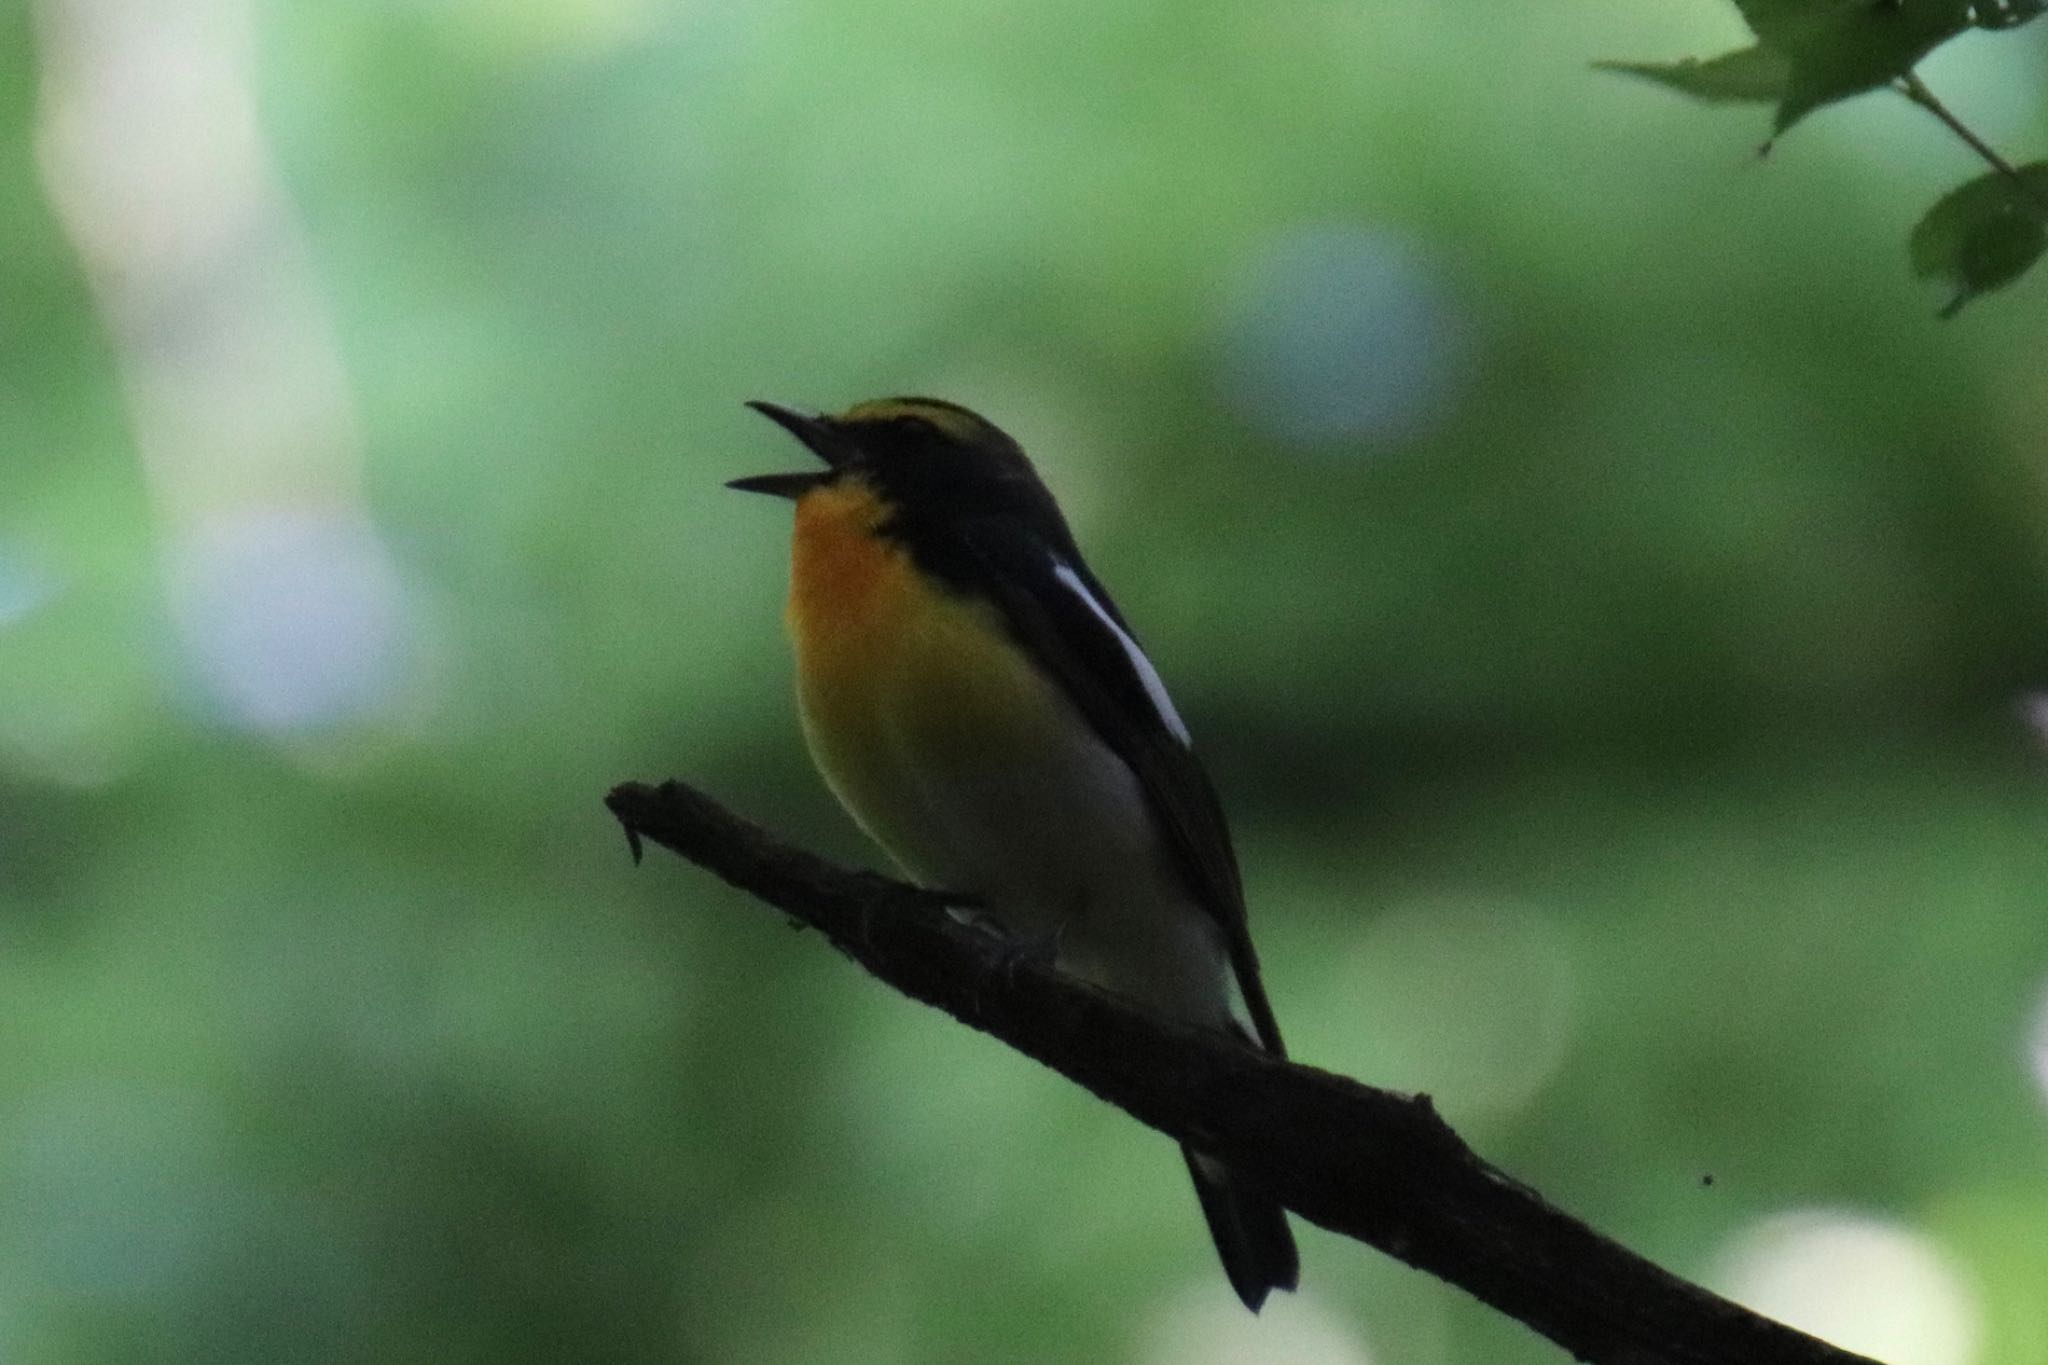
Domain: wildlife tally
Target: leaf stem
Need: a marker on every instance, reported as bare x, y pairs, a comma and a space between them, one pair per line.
1913, 88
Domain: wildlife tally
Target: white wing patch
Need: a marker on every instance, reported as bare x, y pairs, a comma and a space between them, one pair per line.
1149, 676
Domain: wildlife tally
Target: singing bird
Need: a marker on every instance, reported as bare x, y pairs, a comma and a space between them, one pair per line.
981, 708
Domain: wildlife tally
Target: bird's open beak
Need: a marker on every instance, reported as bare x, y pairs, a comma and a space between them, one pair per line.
791, 486
817, 434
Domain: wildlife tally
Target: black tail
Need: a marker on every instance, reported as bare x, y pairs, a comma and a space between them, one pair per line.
1250, 1231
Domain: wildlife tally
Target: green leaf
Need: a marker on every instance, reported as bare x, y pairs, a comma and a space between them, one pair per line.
1753, 73
2007, 13
1984, 234
1840, 48
1815, 52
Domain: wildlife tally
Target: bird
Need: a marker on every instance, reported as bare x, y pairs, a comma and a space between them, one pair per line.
979, 705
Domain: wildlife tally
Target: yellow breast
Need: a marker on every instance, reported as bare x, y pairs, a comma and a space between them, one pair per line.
900, 680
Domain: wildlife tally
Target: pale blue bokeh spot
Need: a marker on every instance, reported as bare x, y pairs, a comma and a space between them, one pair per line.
293, 618
1341, 332
24, 587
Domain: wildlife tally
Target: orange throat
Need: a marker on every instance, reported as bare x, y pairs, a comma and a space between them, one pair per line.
845, 582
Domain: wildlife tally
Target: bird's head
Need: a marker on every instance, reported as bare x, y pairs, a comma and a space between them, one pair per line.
925, 458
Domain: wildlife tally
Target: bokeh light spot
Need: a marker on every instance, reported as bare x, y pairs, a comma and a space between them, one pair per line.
1864, 1284
292, 618
23, 588
1204, 1324
2037, 1045
1471, 1003
2033, 710
1339, 332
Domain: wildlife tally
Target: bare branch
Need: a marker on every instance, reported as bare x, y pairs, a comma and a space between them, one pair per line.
1370, 1164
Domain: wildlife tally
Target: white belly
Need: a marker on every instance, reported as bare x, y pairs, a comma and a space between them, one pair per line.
1058, 844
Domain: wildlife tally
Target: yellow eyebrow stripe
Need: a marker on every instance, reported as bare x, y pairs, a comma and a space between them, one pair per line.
955, 422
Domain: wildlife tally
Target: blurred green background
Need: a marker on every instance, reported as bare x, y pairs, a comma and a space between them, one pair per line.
1608, 599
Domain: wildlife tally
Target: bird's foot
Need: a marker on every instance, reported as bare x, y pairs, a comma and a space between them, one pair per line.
1015, 953
1008, 951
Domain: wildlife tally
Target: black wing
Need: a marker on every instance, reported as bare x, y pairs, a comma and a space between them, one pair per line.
1020, 572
